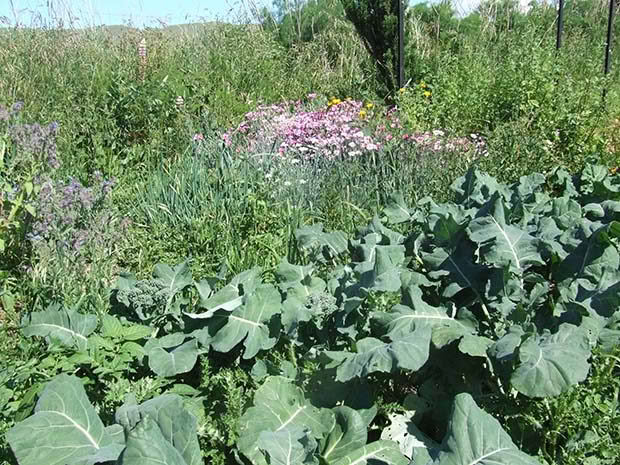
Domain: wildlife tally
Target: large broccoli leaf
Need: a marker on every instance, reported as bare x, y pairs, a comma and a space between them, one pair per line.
65, 429
60, 324
279, 404
476, 438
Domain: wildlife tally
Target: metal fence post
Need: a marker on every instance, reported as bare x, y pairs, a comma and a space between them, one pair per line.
610, 22
558, 40
401, 44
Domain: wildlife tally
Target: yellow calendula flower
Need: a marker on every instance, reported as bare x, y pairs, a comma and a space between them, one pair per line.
362, 113
334, 101
422, 85
427, 93
402, 90
369, 105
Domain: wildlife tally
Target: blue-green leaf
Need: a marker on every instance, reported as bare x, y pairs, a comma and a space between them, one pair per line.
60, 324
65, 428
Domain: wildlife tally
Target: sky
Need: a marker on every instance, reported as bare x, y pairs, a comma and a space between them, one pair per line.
138, 13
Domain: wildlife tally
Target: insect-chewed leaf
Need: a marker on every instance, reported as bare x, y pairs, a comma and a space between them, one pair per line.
60, 324
413, 443
377, 453
64, 429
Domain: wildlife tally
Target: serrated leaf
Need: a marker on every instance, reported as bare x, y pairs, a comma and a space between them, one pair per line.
550, 364
135, 332
252, 323
170, 355
111, 326
60, 324
72, 430
376, 453
279, 404
476, 438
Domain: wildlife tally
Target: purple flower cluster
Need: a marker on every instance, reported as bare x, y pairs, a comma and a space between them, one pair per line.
37, 140
66, 211
33, 142
6, 114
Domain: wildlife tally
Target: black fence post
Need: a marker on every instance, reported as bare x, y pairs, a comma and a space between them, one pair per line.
558, 40
401, 44
610, 22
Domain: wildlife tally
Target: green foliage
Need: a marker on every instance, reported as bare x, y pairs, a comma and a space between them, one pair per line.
404, 335
301, 21
376, 22
159, 429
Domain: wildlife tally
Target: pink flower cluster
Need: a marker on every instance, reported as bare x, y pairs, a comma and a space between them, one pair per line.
335, 130
331, 131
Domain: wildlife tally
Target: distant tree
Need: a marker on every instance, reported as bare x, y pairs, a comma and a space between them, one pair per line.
376, 22
439, 17
296, 21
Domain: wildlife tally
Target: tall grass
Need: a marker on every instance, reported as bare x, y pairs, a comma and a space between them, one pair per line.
110, 119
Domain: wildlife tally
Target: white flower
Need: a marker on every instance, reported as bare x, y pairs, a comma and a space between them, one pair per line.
287, 183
